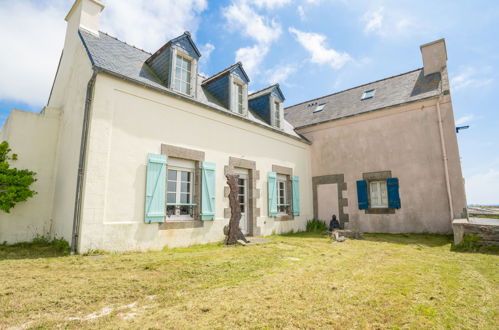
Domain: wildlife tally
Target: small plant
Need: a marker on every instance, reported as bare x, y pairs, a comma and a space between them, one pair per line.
316, 225
14, 183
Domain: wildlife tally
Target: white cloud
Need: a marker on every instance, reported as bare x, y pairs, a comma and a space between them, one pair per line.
464, 119
262, 30
301, 13
469, 77
252, 58
32, 38
280, 74
257, 27
206, 51
392, 22
271, 4
33, 33
483, 188
149, 24
315, 44
374, 20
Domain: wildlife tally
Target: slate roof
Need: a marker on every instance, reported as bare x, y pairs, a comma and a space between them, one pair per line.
266, 90
120, 59
396, 90
225, 71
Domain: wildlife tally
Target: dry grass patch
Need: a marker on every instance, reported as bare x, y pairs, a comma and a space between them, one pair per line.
296, 281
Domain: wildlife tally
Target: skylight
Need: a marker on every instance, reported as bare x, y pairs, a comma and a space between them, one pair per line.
320, 107
368, 94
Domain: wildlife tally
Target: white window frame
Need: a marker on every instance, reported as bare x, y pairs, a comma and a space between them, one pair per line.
282, 179
234, 82
376, 189
189, 82
180, 166
276, 106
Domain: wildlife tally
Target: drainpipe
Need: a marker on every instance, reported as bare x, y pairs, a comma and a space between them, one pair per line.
446, 165
81, 165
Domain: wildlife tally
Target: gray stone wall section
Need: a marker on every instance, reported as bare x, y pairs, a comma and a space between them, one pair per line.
377, 176
282, 170
339, 179
198, 157
254, 175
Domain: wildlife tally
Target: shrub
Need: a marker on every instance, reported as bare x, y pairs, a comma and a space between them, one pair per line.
316, 225
14, 183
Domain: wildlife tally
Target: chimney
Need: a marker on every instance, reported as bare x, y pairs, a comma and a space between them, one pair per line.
84, 14
434, 56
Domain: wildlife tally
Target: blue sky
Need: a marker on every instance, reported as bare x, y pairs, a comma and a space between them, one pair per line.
311, 47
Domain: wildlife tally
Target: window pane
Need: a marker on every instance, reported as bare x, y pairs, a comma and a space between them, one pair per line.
171, 198
170, 210
172, 186
185, 198
185, 187
185, 210
240, 182
242, 208
241, 199
172, 175
241, 190
185, 176
384, 194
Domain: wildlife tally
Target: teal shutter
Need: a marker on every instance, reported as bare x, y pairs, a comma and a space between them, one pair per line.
155, 188
208, 191
295, 181
392, 185
272, 192
362, 195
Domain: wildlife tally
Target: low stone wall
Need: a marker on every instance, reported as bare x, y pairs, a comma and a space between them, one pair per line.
488, 232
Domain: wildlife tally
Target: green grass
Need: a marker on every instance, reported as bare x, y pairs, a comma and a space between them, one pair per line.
296, 281
488, 216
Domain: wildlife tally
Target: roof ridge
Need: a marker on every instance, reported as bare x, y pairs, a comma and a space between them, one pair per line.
142, 50
261, 90
348, 89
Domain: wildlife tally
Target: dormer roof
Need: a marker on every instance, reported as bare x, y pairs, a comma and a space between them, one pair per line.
274, 89
236, 68
183, 41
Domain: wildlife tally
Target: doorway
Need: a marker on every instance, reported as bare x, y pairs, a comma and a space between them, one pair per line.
327, 201
243, 202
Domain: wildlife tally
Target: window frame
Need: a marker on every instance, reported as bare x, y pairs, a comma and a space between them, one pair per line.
379, 194
190, 60
277, 113
368, 94
282, 179
238, 97
178, 193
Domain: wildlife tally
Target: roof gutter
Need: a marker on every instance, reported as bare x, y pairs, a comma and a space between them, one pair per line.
81, 165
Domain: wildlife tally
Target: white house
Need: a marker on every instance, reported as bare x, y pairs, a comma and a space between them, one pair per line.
132, 149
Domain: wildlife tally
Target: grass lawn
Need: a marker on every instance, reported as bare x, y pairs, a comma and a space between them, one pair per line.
296, 281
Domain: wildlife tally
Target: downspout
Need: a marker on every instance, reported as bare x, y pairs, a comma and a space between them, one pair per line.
81, 164
446, 165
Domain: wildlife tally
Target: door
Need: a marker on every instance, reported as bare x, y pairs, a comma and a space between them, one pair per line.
243, 201
327, 202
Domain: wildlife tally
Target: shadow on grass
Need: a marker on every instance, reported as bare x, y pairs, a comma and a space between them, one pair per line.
306, 234
39, 248
428, 240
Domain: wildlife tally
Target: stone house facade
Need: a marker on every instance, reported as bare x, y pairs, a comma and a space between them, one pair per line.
132, 150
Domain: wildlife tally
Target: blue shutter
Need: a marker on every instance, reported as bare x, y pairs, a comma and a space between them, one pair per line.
155, 188
362, 195
392, 185
295, 181
272, 192
208, 181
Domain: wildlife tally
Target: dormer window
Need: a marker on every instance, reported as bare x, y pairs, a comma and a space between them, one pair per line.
277, 114
238, 97
182, 78
176, 64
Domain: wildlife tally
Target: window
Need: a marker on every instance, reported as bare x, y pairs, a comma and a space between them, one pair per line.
182, 81
368, 94
379, 194
320, 107
179, 198
277, 114
238, 98
282, 198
